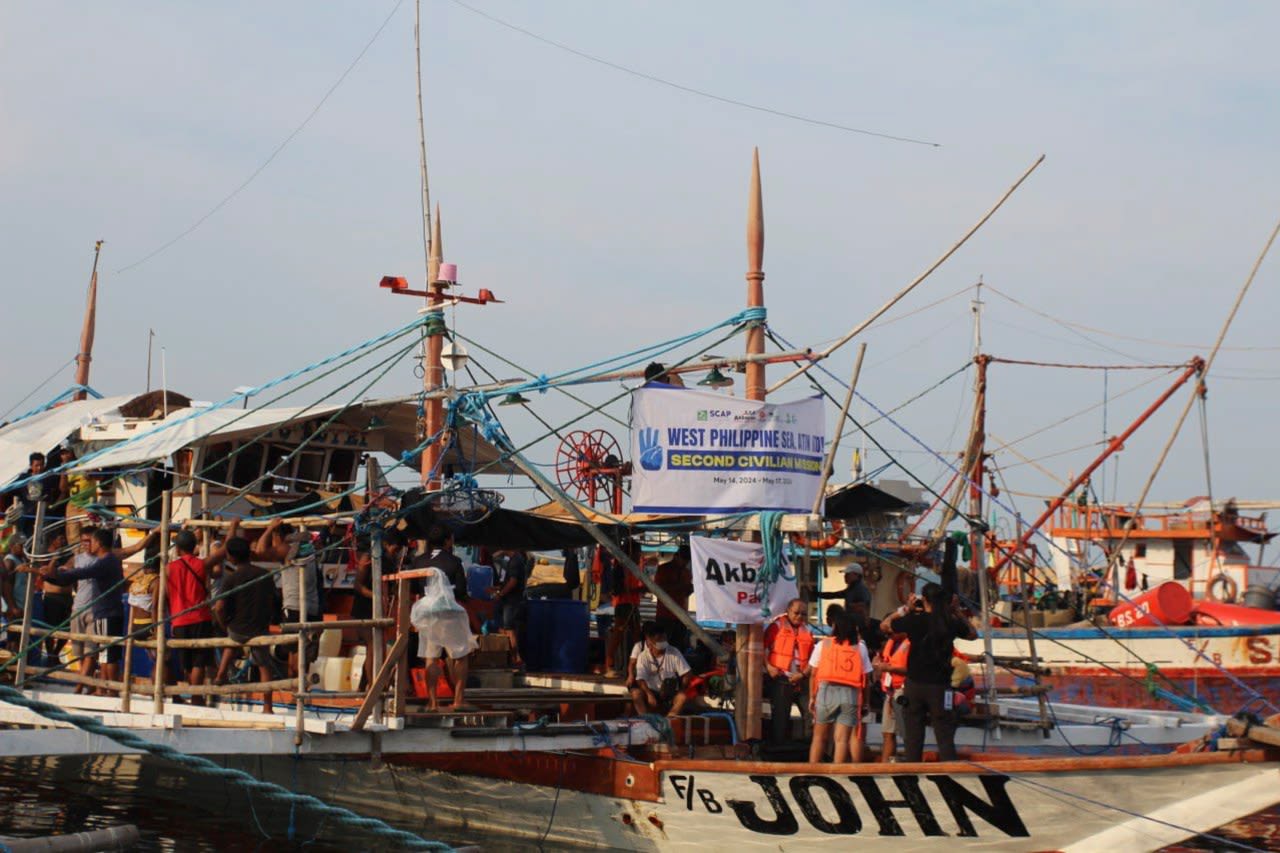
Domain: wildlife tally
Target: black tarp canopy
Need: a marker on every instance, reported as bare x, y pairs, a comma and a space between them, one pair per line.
859, 499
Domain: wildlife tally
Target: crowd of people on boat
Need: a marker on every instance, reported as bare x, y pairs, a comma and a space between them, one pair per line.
904, 665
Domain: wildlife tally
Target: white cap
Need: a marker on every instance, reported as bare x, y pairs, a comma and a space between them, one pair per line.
853, 569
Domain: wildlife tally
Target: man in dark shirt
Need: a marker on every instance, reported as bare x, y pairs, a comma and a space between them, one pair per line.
511, 574
855, 595
676, 580
39, 487
439, 555
246, 611
107, 573
932, 634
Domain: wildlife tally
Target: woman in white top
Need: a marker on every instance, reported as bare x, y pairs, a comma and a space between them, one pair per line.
839, 667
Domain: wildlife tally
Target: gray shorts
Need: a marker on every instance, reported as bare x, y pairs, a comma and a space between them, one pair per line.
891, 714
82, 623
837, 703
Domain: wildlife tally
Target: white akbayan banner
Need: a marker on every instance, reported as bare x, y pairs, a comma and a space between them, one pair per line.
697, 452
724, 580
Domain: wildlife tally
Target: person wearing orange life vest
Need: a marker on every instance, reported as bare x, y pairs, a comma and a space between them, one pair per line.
891, 667
788, 644
841, 666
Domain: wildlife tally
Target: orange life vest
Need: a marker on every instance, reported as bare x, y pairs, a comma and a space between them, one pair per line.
841, 663
894, 654
781, 642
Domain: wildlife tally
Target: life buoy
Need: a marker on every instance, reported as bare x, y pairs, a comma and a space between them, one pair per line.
830, 541
906, 586
1229, 591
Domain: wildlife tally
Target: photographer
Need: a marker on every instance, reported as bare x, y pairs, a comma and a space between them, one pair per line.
932, 634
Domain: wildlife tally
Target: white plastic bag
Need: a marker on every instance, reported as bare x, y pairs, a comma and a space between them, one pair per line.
442, 623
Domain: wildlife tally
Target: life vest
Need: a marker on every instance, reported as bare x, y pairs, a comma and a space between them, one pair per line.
894, 654
782, 641
841, 663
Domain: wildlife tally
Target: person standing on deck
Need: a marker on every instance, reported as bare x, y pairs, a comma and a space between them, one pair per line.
187, 580
788, 643
840, 665
106, 572
87, 590
246, 611
56, 599
362, 602
281, 543
855, 595
510, 578
928, 683
444, 626
676, 580
891, 667
40, 487
625, 598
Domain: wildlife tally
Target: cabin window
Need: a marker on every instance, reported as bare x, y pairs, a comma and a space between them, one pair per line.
310, 469
342, 465
1139, 551
216, 463
247, 465
279, 473
1181, 561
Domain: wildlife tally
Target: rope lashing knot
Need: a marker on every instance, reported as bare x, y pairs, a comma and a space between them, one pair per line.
541, 384
473, 406
753, 316
434, 324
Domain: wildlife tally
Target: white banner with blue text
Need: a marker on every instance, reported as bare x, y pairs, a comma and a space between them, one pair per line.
724, 580
703, 453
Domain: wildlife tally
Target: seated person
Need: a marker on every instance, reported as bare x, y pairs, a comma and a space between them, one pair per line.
661, 685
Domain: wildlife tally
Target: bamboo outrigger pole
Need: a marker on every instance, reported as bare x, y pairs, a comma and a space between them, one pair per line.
85, 355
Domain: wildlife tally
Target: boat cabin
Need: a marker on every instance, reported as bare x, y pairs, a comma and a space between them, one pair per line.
1202, 546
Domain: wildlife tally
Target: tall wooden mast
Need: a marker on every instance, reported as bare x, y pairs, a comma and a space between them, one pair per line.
751, 637
85, 354
432, 366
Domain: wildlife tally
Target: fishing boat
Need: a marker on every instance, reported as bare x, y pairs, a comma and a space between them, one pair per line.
598, 776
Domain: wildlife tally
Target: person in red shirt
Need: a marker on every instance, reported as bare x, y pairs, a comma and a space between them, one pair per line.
626, 609
788, 643
187, 580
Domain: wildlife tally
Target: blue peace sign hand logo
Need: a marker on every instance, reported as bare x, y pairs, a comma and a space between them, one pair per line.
650, 450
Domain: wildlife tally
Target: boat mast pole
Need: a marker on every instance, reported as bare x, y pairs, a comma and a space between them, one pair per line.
978, 530
432, 365
85, 355
750, 640
433, 346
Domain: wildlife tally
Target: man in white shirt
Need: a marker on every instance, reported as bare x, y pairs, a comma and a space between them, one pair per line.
661, 683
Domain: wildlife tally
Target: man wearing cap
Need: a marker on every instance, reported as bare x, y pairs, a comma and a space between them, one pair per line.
856, 595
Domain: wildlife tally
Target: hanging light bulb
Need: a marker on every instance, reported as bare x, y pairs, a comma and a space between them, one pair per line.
715, 379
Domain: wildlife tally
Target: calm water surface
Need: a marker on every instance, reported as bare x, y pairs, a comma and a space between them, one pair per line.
34, 806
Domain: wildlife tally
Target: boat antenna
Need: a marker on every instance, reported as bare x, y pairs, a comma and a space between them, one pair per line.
422, 141
151, 337
85, 355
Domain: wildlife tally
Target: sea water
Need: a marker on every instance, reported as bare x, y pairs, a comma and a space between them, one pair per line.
39, 805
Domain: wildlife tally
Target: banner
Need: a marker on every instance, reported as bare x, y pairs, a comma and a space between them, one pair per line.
702, 453
724, 580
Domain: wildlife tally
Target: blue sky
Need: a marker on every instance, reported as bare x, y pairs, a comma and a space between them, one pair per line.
608, 211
